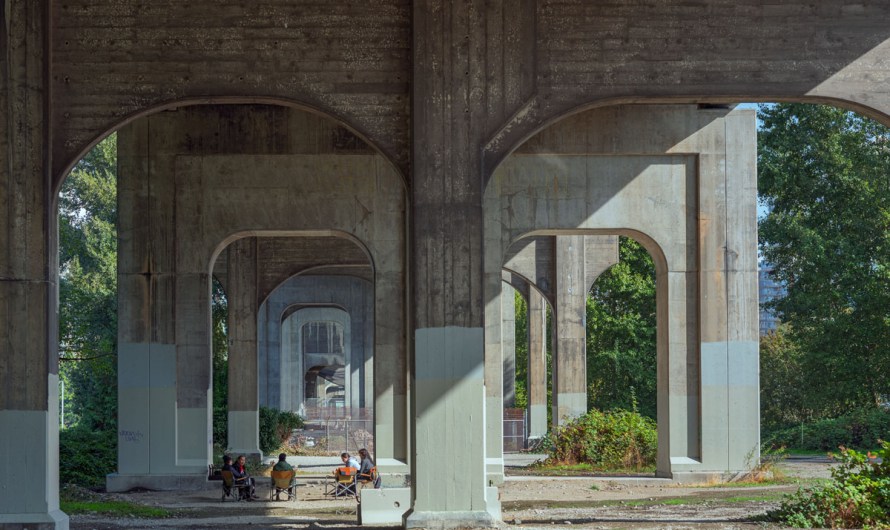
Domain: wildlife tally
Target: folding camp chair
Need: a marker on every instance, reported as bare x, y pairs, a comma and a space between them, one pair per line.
345, 482
369, 479
231, 489
283, 482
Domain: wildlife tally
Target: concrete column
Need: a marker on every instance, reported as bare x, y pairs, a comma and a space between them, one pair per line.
448, 387
29, 401
537, 365
194, 400
508, 343
289, 365
243, 396
146, 329
570, 356
494, 375
743, 341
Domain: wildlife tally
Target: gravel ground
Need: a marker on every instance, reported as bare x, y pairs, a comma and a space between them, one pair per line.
528, 502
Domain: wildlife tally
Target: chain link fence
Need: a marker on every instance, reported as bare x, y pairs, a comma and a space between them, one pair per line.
327, 431
515, 432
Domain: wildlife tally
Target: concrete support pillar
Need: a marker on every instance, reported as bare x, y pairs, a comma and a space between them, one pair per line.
146, 329
29, 401
164, 365
448, 381
508, 343
194, 400
243, 395
570, 355
537, 365
494, 385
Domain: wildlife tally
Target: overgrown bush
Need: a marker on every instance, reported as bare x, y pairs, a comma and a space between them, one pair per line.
606, 440
860, 429
275, 428
86, 456
857, 496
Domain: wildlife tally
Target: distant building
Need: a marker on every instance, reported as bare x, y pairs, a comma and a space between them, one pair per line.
768, 289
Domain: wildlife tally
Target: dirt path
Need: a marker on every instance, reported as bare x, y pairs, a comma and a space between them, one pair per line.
528, 502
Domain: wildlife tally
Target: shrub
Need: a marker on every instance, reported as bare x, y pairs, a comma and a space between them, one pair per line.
857, 496
860, 429
605, 440
221, 426
275, 428
86, 456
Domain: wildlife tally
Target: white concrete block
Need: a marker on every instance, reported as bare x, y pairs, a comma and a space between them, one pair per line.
386, 506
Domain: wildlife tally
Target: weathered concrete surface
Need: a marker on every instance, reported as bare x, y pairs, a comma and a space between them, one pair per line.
198, 202
29, 393
486, 77
591, 182
570, 314
280, 358
537, 365
241, 295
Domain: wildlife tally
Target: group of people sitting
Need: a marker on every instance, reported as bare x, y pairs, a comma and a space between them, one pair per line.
355, 473
240, 476
365, 471
364, 468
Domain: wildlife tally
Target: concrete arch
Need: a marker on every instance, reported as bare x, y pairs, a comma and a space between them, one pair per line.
68, 162
298, 359
532, 119
352, 296
340, 234
610, 176
199, 205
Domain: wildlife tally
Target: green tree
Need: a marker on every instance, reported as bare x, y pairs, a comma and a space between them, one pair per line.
783, 393
521, 362
88, 288
824, 174
219, 312
621, 340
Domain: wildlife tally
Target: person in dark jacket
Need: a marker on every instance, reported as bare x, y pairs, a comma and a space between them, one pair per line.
239, 472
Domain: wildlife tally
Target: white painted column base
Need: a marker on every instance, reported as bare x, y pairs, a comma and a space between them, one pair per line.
570, 405
490, 518
494, 471
55, 520
244, 435
29, 485
384, 506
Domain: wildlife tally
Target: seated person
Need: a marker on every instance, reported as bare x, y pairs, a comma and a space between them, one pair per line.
349, 461
239, 472
282, 464
364, 473
352, 464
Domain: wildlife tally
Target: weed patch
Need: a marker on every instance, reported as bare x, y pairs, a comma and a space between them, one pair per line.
616, 440
114, 508
857, 496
